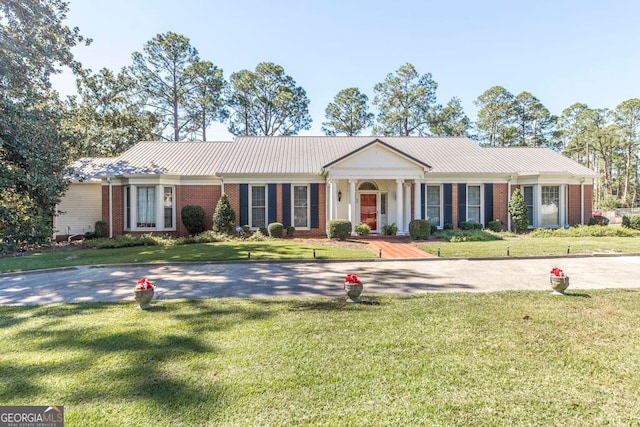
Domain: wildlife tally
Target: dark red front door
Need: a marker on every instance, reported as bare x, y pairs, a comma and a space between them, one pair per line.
368, 210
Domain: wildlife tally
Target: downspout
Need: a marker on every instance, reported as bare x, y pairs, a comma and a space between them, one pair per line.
110, 207
508, 202
582, 201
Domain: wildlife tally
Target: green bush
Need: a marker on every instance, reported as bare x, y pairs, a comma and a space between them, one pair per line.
390, 229
585, 231
291, 230
468, 225
611, 203
101, 229
434, 229
276, 230
193, 218
264, 231
631, 221
598, 220
258, 236
495, 226
420, 229
339, 229
363, 229
518, 210
224, 217
448, 226
456, 236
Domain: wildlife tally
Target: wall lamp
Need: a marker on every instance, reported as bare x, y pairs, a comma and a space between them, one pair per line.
339, 196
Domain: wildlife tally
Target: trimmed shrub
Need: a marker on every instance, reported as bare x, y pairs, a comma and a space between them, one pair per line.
495, 226
291, 231
363, 229
193, 218
518, 210
420, 229
585, 231
339, 229
434, 229
101, 229
276, 230
448, 226
390, 229
258, 235
224, 217
631, 221
598, 220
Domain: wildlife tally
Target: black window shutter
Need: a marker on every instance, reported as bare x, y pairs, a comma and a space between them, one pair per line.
423, 200
462, 203
447, 191
315, 206
488, 203
244, 204
273, 203
286, 205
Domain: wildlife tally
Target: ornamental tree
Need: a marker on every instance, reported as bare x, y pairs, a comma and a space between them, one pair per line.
518, 211
224, 217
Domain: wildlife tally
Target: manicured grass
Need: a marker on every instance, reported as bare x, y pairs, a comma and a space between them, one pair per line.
221, 251
529, 246
514, 358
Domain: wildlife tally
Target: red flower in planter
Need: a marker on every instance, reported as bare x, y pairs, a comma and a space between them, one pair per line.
353, 279
144, 284
557, 272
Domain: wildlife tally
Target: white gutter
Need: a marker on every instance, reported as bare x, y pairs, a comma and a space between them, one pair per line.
110, 208
582, 202
508, 202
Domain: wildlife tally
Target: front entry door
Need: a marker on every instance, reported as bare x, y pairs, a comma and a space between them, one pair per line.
369, 210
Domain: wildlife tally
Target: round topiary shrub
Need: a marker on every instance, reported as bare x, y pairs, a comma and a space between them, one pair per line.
101, 229
420, 229
193, 218
276, 230
339, 229
291, 231
495, 226
363, 229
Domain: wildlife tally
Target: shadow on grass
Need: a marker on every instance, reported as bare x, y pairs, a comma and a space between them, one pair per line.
107, 352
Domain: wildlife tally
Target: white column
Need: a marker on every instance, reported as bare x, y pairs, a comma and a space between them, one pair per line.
417, 200
399, 204
407, 207
333, 200
352, 205
582, 202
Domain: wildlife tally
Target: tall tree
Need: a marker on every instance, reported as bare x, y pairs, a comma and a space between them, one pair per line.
105, 118
33, 149
348, 113
534, 121
495, 117
406, 101
204, 102
627, 117
451, 120
267, 102
160, 71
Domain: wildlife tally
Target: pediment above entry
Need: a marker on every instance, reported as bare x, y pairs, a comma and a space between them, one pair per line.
376, 160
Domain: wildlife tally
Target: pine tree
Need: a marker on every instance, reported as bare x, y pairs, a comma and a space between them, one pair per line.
224, 217
518, 211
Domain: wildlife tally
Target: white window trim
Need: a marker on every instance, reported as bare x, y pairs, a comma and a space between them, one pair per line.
266, 205
562, 206
159, 217
481, 202
293, 206
426, 203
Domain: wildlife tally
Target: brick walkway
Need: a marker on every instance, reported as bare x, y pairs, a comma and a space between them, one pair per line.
392, 247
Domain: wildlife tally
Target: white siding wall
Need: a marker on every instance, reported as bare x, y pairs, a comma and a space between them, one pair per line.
81, 207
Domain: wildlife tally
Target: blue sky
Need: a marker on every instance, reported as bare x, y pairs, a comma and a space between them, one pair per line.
560, 51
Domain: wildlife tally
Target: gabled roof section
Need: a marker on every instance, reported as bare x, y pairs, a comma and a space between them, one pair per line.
378, 142
544, 161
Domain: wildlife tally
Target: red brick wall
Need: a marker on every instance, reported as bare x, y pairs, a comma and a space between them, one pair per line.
500, 204
118, 209
573, 208
233, 195
206, 196
588, 201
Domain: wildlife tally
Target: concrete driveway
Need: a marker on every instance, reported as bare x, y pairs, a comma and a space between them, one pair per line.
255, 279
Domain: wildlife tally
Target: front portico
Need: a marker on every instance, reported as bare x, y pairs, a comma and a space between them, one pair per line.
374, 185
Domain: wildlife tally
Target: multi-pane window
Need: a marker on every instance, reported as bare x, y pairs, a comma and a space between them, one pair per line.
528, 199
550, 209
383, 203
433, 204
168, 207
146, 207
300, 206
473, 203
258, 206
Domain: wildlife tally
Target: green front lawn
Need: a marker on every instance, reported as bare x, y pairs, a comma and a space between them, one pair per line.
513, 358
220, 251
532, 246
